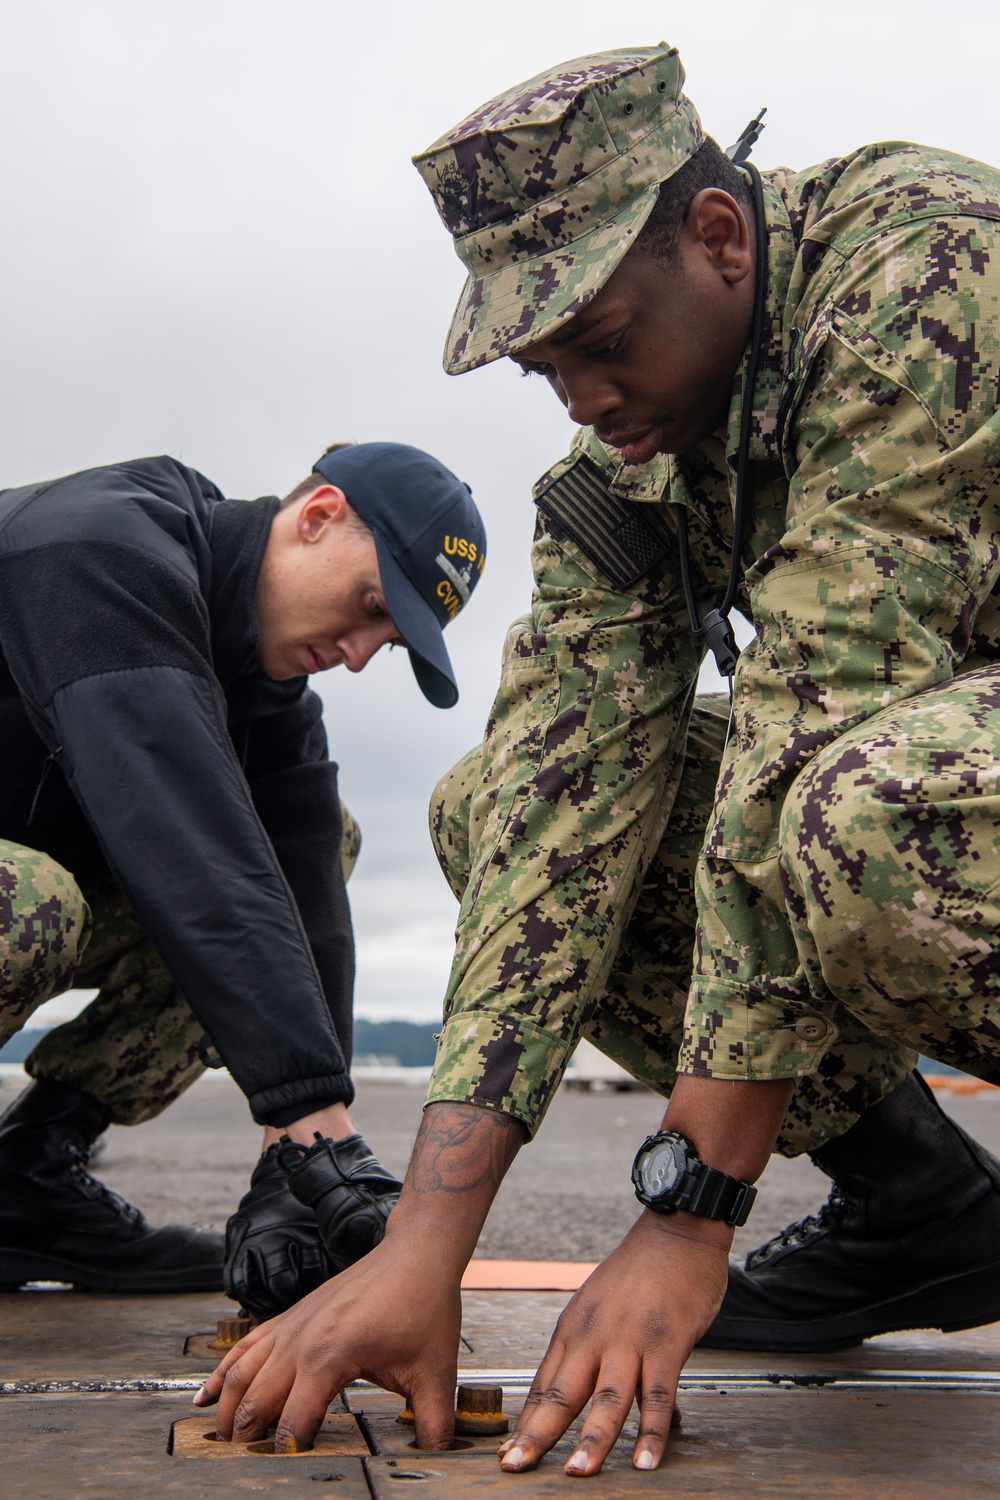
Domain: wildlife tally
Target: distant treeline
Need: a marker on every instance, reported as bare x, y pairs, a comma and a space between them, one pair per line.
409, 1043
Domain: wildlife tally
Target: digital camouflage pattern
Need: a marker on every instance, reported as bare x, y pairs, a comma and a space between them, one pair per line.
637, 1020
545, 187
636, 1016
889, 867
871, 576
879, 580
137, 1046
44, 929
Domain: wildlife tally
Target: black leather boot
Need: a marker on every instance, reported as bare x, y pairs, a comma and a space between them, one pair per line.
57, 1223
350, 1192
274, 1250
909, 1238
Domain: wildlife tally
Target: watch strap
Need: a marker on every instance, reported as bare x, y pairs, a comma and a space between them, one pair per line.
714, 1195
701, 1190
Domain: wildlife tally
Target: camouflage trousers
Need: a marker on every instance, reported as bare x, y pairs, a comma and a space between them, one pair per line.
137, 1046
891, 863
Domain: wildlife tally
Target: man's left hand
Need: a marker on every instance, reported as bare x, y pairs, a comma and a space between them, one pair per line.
625, 1336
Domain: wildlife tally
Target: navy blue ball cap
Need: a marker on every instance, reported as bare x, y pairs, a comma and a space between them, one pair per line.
430, 541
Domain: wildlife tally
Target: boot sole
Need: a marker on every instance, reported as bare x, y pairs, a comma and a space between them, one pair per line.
18, 1267
958, 1302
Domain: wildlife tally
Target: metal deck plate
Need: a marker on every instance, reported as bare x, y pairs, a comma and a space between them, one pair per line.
96, 1393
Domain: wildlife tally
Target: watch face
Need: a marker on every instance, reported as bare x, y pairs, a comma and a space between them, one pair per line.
662, 1168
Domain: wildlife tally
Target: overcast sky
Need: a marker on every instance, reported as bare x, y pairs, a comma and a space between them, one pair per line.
214, 246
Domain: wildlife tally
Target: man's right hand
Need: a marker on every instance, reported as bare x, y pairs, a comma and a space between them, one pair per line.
393, 1318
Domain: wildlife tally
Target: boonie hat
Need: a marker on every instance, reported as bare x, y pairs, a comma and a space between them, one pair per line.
546, 187
430, 541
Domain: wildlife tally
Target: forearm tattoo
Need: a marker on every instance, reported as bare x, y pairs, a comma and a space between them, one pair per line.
460, 1147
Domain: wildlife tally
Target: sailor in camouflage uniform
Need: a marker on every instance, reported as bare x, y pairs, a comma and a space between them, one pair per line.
847, 887
840, 916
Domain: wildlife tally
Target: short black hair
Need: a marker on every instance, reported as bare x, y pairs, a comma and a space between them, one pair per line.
708, 167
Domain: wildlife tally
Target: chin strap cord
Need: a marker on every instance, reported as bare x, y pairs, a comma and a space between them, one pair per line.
715, 625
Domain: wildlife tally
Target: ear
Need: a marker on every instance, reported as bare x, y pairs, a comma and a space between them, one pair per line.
325, 507
717, 229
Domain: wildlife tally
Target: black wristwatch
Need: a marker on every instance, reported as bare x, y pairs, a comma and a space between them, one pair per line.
667, 1175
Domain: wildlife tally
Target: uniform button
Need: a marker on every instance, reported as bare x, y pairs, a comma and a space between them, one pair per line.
810, 1028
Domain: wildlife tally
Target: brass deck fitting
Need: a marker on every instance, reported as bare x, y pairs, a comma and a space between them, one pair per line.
229, 1331
479, 1410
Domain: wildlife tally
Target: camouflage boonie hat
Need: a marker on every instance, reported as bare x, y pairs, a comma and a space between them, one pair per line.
545, 188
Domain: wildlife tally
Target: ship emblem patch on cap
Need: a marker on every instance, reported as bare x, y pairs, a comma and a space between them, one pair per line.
455, 588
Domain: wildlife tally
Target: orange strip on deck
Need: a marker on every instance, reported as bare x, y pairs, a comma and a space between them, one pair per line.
526, 1275
958, 1083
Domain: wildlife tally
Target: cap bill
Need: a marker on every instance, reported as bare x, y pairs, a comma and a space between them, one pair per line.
508, 309
420, 628
436, 687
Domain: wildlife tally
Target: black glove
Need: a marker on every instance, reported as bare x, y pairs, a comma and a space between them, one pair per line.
274, 1251
349, 1190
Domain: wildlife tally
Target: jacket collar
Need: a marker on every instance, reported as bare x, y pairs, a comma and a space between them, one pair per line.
238, 536
781, 252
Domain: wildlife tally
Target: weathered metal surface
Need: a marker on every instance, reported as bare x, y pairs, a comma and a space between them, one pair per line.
771, 1444
444, 1476
379, 1412
386, 1435
510, 1330
115, 1448
194, 1438
204, 1348
76, 1335
80, 1336
94, 1385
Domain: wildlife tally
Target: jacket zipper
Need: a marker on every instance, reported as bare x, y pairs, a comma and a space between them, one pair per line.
46, 768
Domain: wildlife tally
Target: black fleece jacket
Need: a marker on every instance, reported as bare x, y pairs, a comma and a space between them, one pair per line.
139, 734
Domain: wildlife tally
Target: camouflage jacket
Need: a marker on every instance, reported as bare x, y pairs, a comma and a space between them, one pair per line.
870, 573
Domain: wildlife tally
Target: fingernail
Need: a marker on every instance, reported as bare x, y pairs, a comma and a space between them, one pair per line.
578, 1462
643, 1460
199, 1397
506, 1447
512, 1459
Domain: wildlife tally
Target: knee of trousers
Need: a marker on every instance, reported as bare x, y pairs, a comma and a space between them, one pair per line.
44, 928
890, 868
449, 818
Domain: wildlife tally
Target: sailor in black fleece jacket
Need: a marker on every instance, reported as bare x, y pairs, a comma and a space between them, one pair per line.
166, 782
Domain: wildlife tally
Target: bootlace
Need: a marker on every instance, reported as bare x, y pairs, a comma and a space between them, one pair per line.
91, 1187
803, 1230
